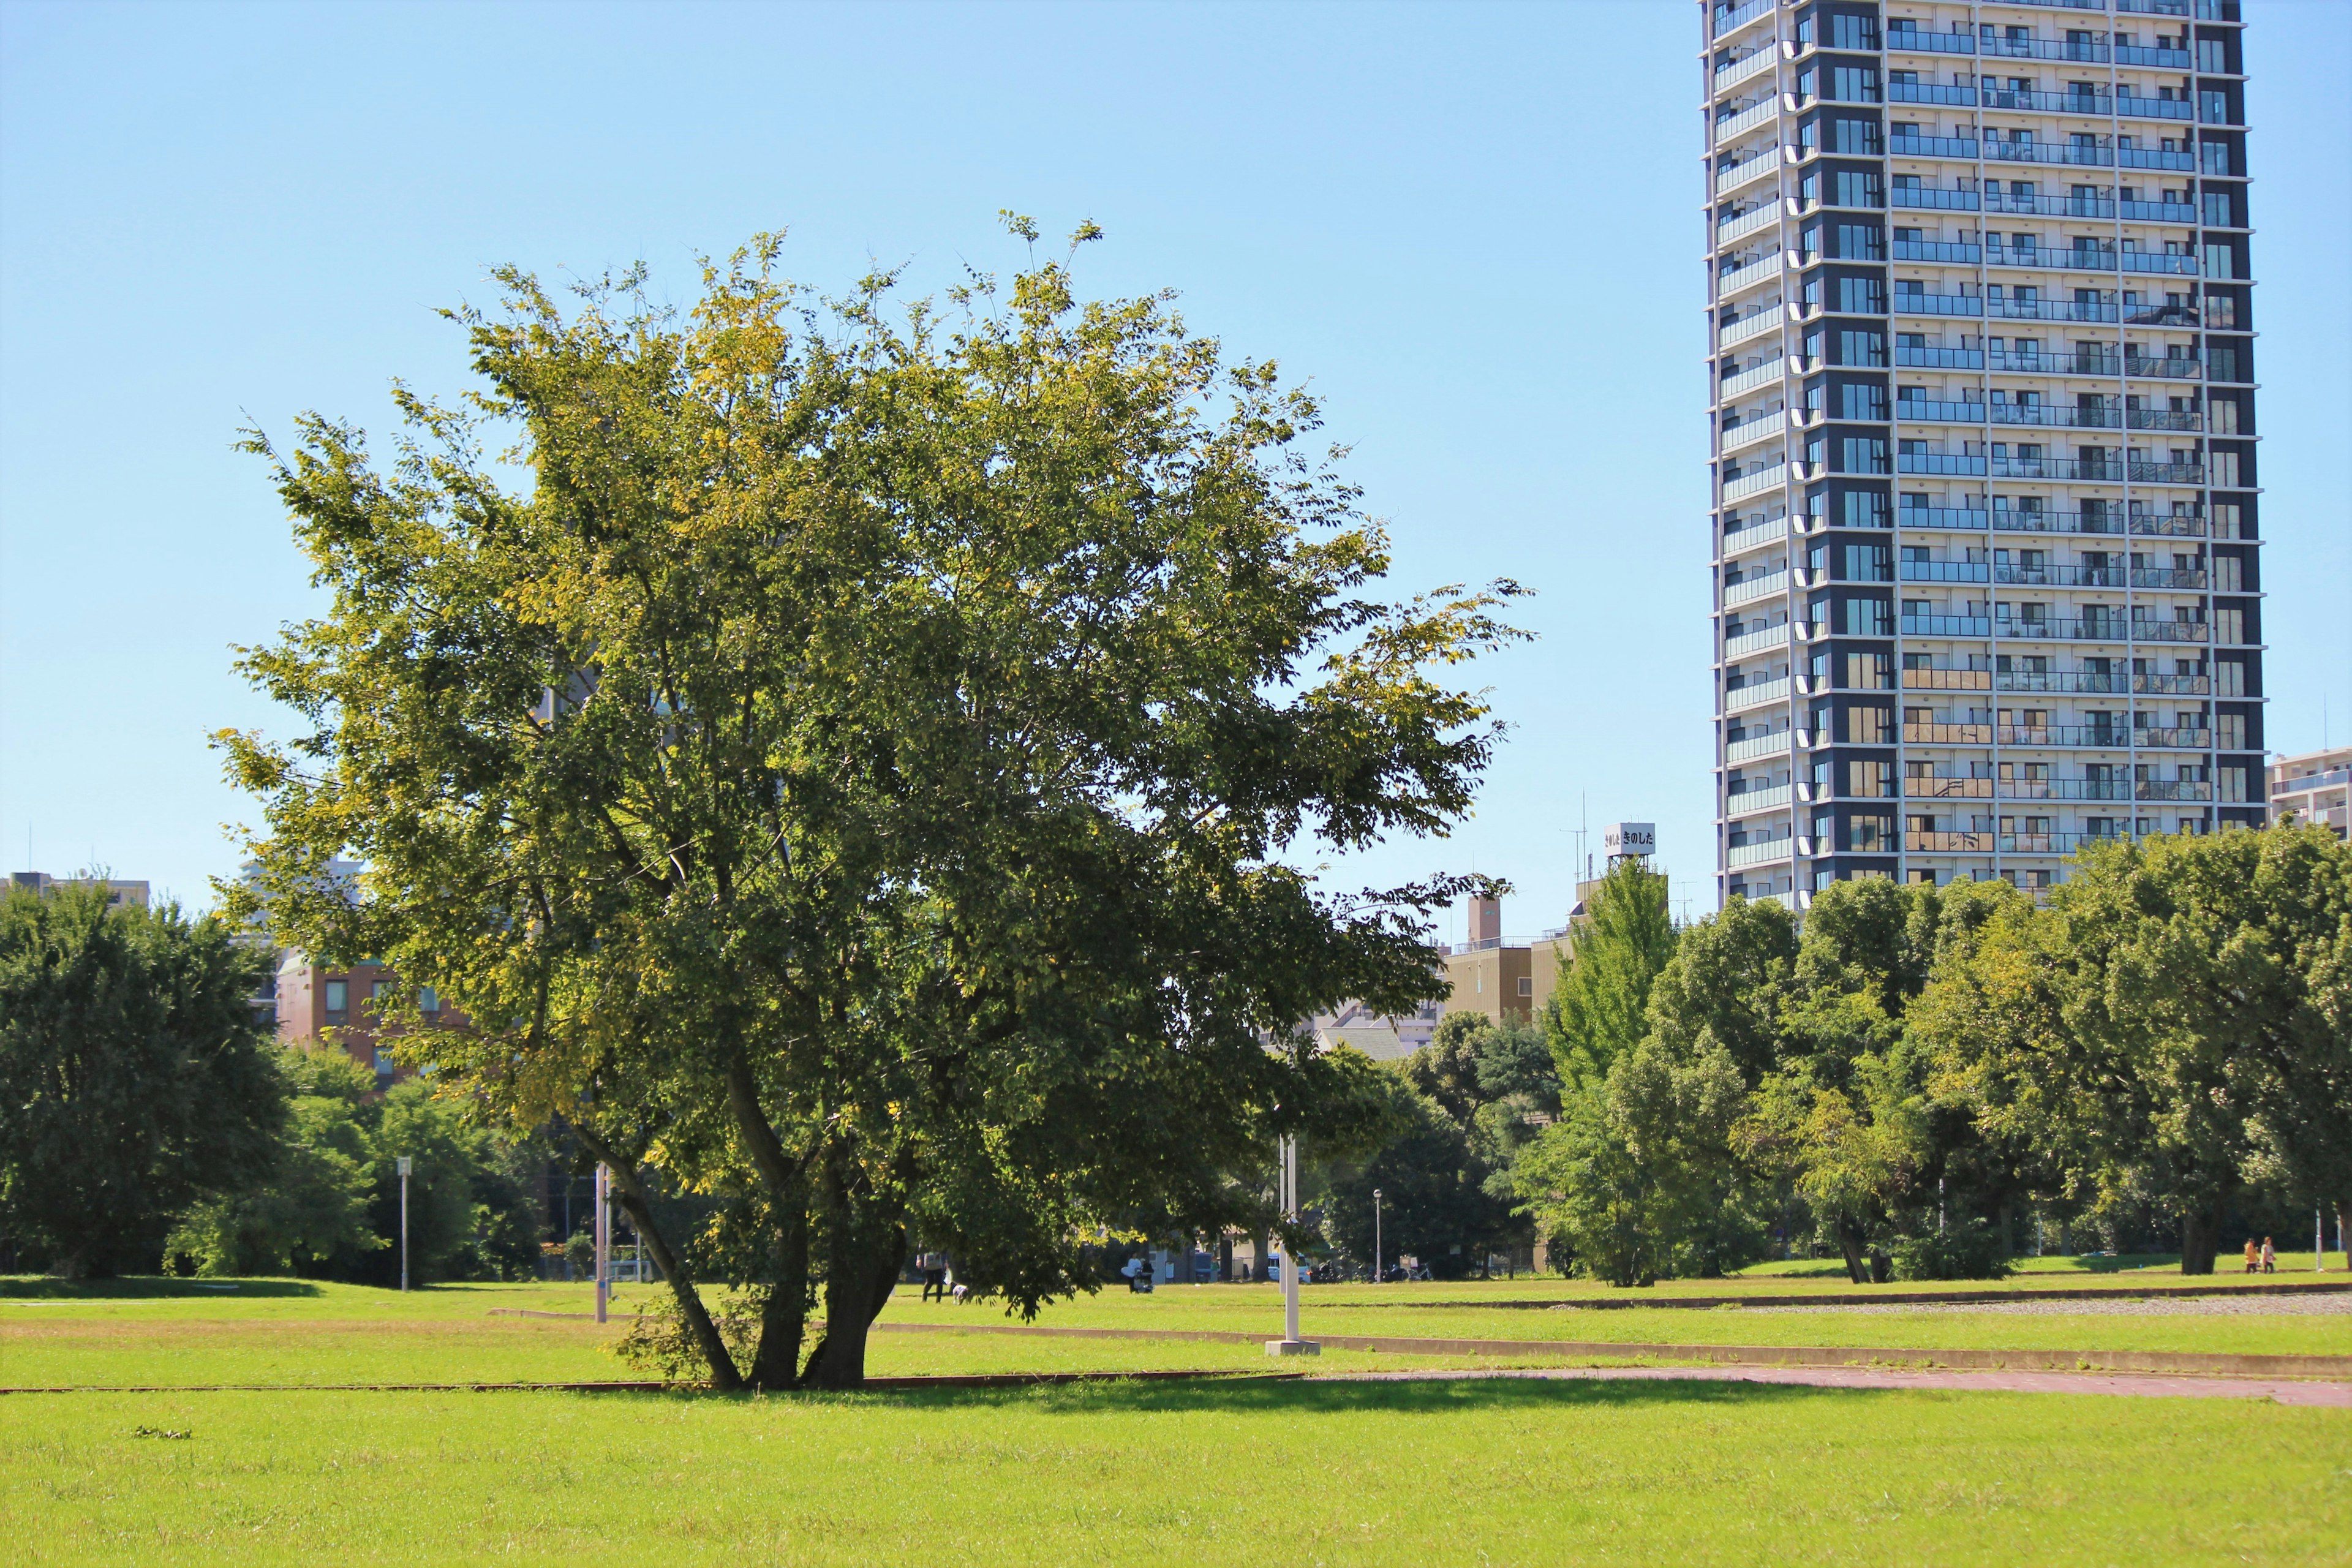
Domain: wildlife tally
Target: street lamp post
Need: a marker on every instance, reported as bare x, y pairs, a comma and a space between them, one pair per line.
603, 1241
1376, 1236
1287, 1178
404, 1163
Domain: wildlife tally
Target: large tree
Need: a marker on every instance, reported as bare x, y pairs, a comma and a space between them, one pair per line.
2175, 1028
856, 778
135, 1075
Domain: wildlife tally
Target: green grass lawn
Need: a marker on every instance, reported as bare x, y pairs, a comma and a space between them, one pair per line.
1487, 1471
296, 1333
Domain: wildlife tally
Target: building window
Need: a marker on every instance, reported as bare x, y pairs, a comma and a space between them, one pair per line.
338, 1001
1527, 987
428, 1001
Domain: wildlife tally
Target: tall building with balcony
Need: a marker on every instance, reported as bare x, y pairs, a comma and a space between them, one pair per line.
1986, 531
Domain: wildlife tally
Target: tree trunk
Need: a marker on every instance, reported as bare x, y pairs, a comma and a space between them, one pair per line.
724, 1376
784, 1321
1849, 1240
861, 1273
1226, 1257
2201, 1238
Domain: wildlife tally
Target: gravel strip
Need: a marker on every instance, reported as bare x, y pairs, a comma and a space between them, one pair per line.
2187, 1306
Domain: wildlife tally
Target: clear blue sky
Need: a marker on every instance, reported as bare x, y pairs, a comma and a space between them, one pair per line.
1474, 227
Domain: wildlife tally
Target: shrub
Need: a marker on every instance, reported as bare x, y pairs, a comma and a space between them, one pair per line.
1969, 1250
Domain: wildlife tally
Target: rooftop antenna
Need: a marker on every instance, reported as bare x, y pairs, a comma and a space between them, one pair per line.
1583, 832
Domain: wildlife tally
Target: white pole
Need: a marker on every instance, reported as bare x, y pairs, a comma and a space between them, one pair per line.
1290, 1258
603, 1242
403, 1221
2318, 1243
1376, 1236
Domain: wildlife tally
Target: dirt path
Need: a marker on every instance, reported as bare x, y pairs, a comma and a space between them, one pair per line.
2330, 1396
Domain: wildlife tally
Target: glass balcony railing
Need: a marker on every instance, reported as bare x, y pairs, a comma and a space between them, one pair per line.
1947, 571
2082, 50
1955, 463
2097, 103
1918, 40
1947, 735
2162, 59
1941, 413
2134, 107
2059, 576
1939, 359
2156, 211
2012, 309
1930, 92
1904, 145
1938, 517
2169, 368
2090, 469
1947, 626
2035, 362
1934, 250
1918, 302
2154, 158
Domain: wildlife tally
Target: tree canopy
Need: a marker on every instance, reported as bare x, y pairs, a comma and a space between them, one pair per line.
135, 1075
858, 779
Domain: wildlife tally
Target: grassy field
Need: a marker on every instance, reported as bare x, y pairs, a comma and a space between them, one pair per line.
303, 1333
1485, 1471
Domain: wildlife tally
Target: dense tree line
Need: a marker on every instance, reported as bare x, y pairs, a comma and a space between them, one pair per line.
149, 1119
1921, 1081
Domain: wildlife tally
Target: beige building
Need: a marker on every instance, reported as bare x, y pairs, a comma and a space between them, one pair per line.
1498, 977
2314, 787
119, 891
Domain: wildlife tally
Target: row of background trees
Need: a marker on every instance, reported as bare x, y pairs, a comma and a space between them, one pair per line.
1921, 1080
149, 1119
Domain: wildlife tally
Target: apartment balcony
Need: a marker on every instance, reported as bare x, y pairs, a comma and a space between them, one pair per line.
1753, 325
1744, 70
1748, 432
1936, 250
2059, 576
1947, 735
2169, 368
2107, 628
1769, 477
2167, 474
2113, 789
1919, 41
2010, 520
2087, 469
2088, 156
1748, 539
1758, 854
1747, 643
1744, 277
2084, 683
1732, 230
2156, 211
1933, 198
1947, 571
1730, 130
1930, 92
1947, 626
1749, 589
2097, 103
1747, 747
2077, 258
1948, 680
2162, 59
1941, 413
2132, 106
1730, 19
2078, 51
2180, 579
1938, 517
1955, 463
1748, 380
2037, 363
1747, 803
1949, 843
1939, 359
1910, 146
2092, 737
1915, 787
1748, 169
1756, 694
2172, 789
2016, 309
1918, 302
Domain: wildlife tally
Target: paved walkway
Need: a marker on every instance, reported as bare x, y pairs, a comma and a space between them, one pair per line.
2332, 1396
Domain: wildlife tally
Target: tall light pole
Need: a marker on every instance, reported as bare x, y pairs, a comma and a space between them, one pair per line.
404, 1163
603, 1241
1287, 1177
1376, 1236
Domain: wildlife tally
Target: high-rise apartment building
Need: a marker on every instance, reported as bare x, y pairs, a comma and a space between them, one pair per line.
1986, 526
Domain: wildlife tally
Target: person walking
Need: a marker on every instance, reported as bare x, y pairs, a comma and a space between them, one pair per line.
2270, 1257
2253, 1256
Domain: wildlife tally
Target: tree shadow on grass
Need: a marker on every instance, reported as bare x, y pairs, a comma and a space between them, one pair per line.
147, 1286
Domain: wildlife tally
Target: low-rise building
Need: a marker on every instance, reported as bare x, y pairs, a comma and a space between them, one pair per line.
2315, 787
1504, 979
119, 891
318, 1003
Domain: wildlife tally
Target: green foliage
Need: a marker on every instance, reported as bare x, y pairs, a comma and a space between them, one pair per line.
1640, 1176
1972, 1249
860, 782
1434, 1202
135, 1076
2175, 1029
1599, 1009
329, 1207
